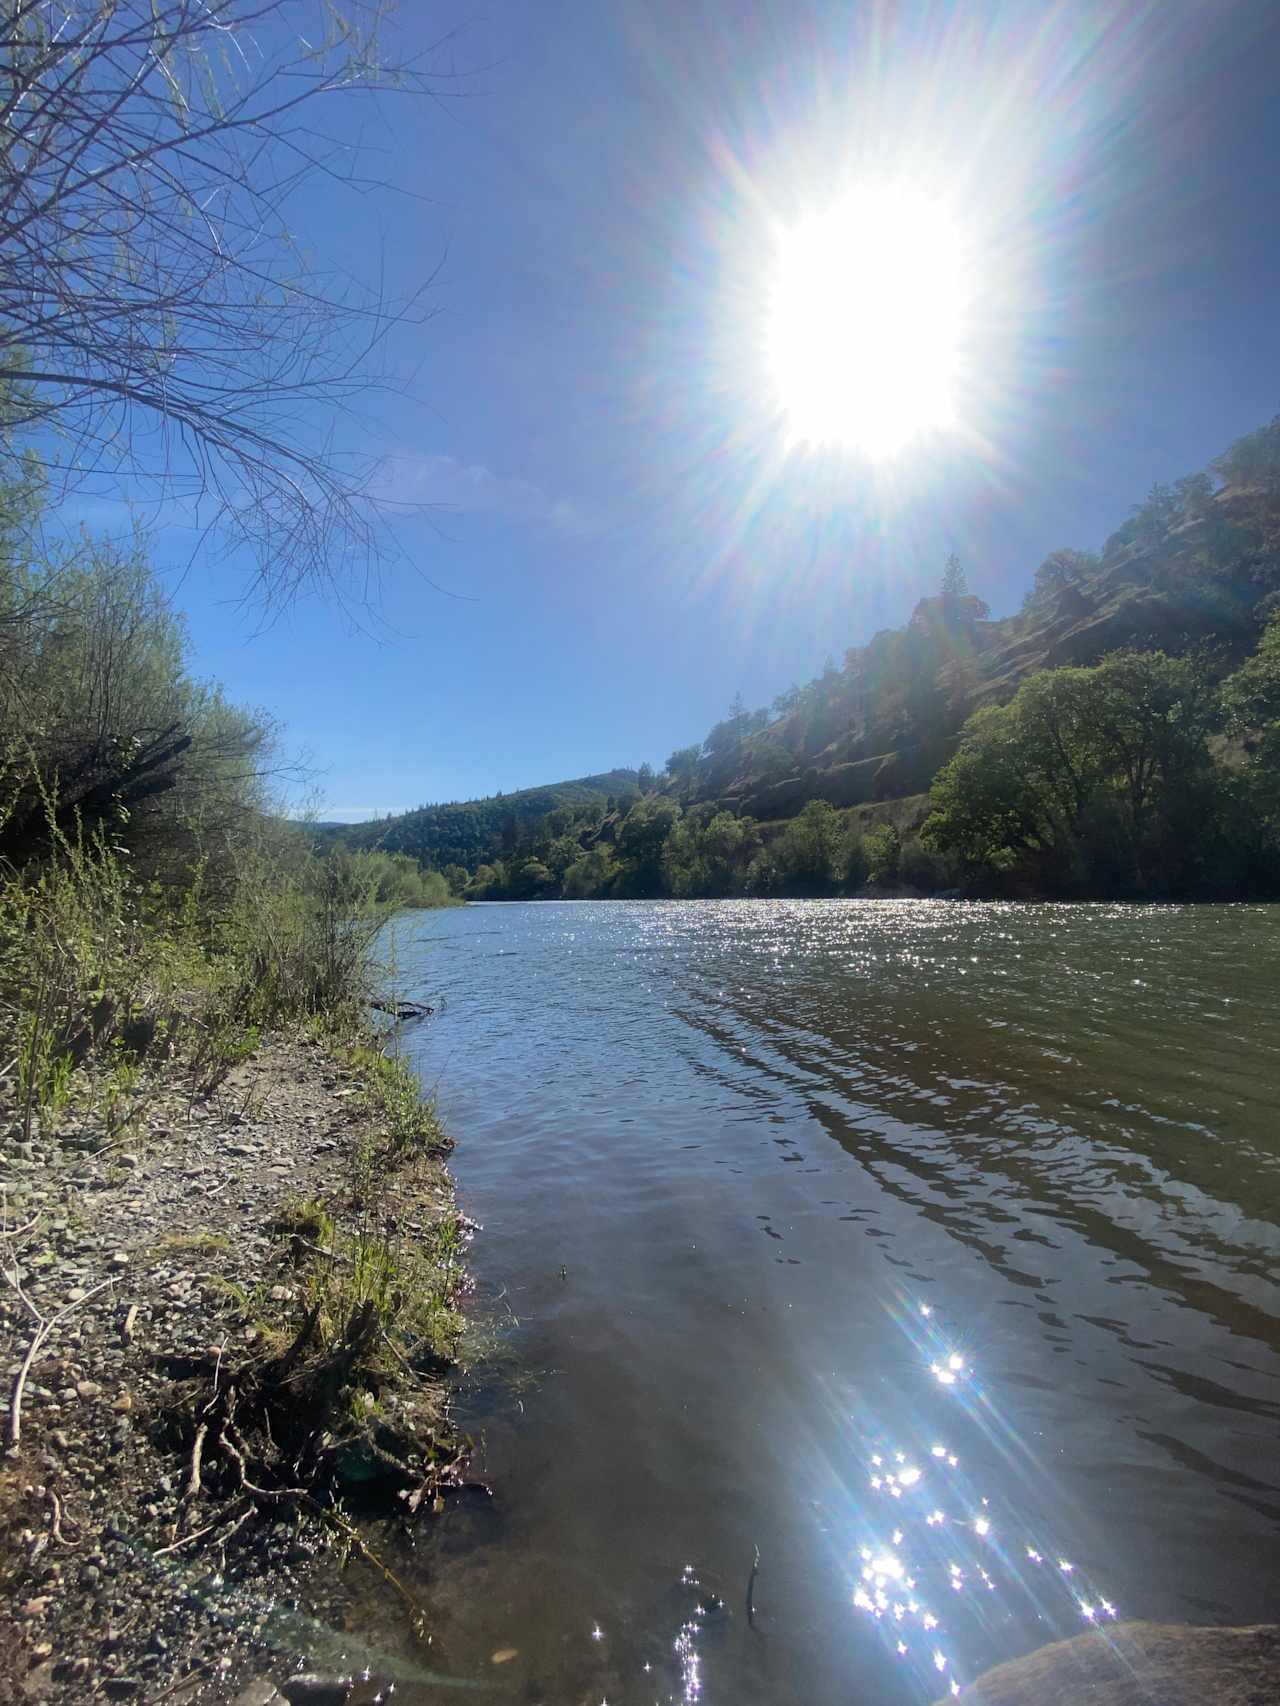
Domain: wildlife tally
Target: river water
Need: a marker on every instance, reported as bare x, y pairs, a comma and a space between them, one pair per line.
926, 1252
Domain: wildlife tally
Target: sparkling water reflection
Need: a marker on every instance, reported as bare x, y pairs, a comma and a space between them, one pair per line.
889, 1288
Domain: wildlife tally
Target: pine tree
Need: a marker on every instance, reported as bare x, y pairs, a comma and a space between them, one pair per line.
954, 584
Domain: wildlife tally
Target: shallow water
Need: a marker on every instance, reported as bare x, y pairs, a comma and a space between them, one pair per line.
928, 1248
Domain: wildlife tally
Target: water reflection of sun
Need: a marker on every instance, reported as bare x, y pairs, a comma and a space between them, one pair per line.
942, 1547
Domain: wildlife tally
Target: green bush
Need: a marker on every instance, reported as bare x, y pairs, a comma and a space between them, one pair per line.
884, 854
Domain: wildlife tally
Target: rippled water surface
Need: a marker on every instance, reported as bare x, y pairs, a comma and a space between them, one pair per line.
929, 1249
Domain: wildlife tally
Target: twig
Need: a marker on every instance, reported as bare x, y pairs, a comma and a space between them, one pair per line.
353, 1538
55, 1527
319, 1250
197, 1452
33, 1350
182, 1680
207, 1529
242, 1466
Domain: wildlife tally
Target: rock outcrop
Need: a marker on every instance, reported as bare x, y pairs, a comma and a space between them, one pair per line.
1141, 1664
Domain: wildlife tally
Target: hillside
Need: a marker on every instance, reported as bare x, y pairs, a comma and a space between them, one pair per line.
1198, 563
469, 833
830, 786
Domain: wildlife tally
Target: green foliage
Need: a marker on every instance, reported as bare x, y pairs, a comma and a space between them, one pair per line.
102, 727
642, 837
709, 853
684, 762
1252, 695
1253, 460
807, 856
1251, 698
476, 832
884, 854
141, 873
1060, 572
1094, 780
591, 875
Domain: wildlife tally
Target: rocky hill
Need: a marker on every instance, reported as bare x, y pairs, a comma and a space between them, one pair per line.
1197, 565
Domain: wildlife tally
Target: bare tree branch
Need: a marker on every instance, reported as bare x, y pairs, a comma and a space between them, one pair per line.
158, 322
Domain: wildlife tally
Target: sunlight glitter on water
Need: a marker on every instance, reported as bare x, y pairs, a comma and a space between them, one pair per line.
710, 1141
898, 1579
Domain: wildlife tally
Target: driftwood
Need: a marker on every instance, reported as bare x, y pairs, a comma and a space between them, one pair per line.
403, 1009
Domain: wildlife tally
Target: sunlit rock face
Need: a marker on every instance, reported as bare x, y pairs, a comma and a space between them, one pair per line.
1141, 1664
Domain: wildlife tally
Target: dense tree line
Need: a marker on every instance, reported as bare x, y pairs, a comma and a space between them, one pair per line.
659, 848
1145, 775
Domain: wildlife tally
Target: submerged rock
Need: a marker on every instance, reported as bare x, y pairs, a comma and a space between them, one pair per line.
1141, 1664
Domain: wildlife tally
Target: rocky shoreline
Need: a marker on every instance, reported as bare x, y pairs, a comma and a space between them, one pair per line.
131, 1262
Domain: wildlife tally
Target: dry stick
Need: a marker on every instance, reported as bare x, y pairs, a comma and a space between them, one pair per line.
33, 1350
242, 1467
352, 1536
197, 1451
319, 1250
207, 1529
55, 1527
182, 1682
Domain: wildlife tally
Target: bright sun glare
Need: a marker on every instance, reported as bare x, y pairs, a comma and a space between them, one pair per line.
867, 321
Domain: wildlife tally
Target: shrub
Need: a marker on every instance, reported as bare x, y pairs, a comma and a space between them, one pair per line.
884, 854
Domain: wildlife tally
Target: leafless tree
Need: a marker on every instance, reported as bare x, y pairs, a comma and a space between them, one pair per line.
159, 325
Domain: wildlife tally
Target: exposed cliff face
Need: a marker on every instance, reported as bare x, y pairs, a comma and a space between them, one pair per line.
1141, 1664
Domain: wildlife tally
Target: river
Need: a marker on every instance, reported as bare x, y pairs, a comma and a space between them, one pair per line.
925, 1251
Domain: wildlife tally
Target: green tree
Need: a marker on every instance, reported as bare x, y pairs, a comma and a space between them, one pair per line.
642, 837
1060, 571
955, 584
683, 762
807, 855
591, 875
1092, 779
883, 849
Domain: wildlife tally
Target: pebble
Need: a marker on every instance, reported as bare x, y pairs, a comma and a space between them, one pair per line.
87, 1389
259, 1692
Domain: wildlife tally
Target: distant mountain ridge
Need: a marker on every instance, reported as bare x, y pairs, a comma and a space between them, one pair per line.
470, 832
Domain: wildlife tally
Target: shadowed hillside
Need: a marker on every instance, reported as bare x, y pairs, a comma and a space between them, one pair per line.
1197, 564
470, 832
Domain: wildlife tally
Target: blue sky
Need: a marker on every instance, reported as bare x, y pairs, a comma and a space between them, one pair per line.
620, 538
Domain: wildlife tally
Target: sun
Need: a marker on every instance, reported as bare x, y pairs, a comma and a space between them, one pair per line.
867, 321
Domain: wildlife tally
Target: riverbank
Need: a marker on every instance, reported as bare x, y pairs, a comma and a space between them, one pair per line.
242, 1306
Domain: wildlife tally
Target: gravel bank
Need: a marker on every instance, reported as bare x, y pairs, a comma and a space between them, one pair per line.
134, 1263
